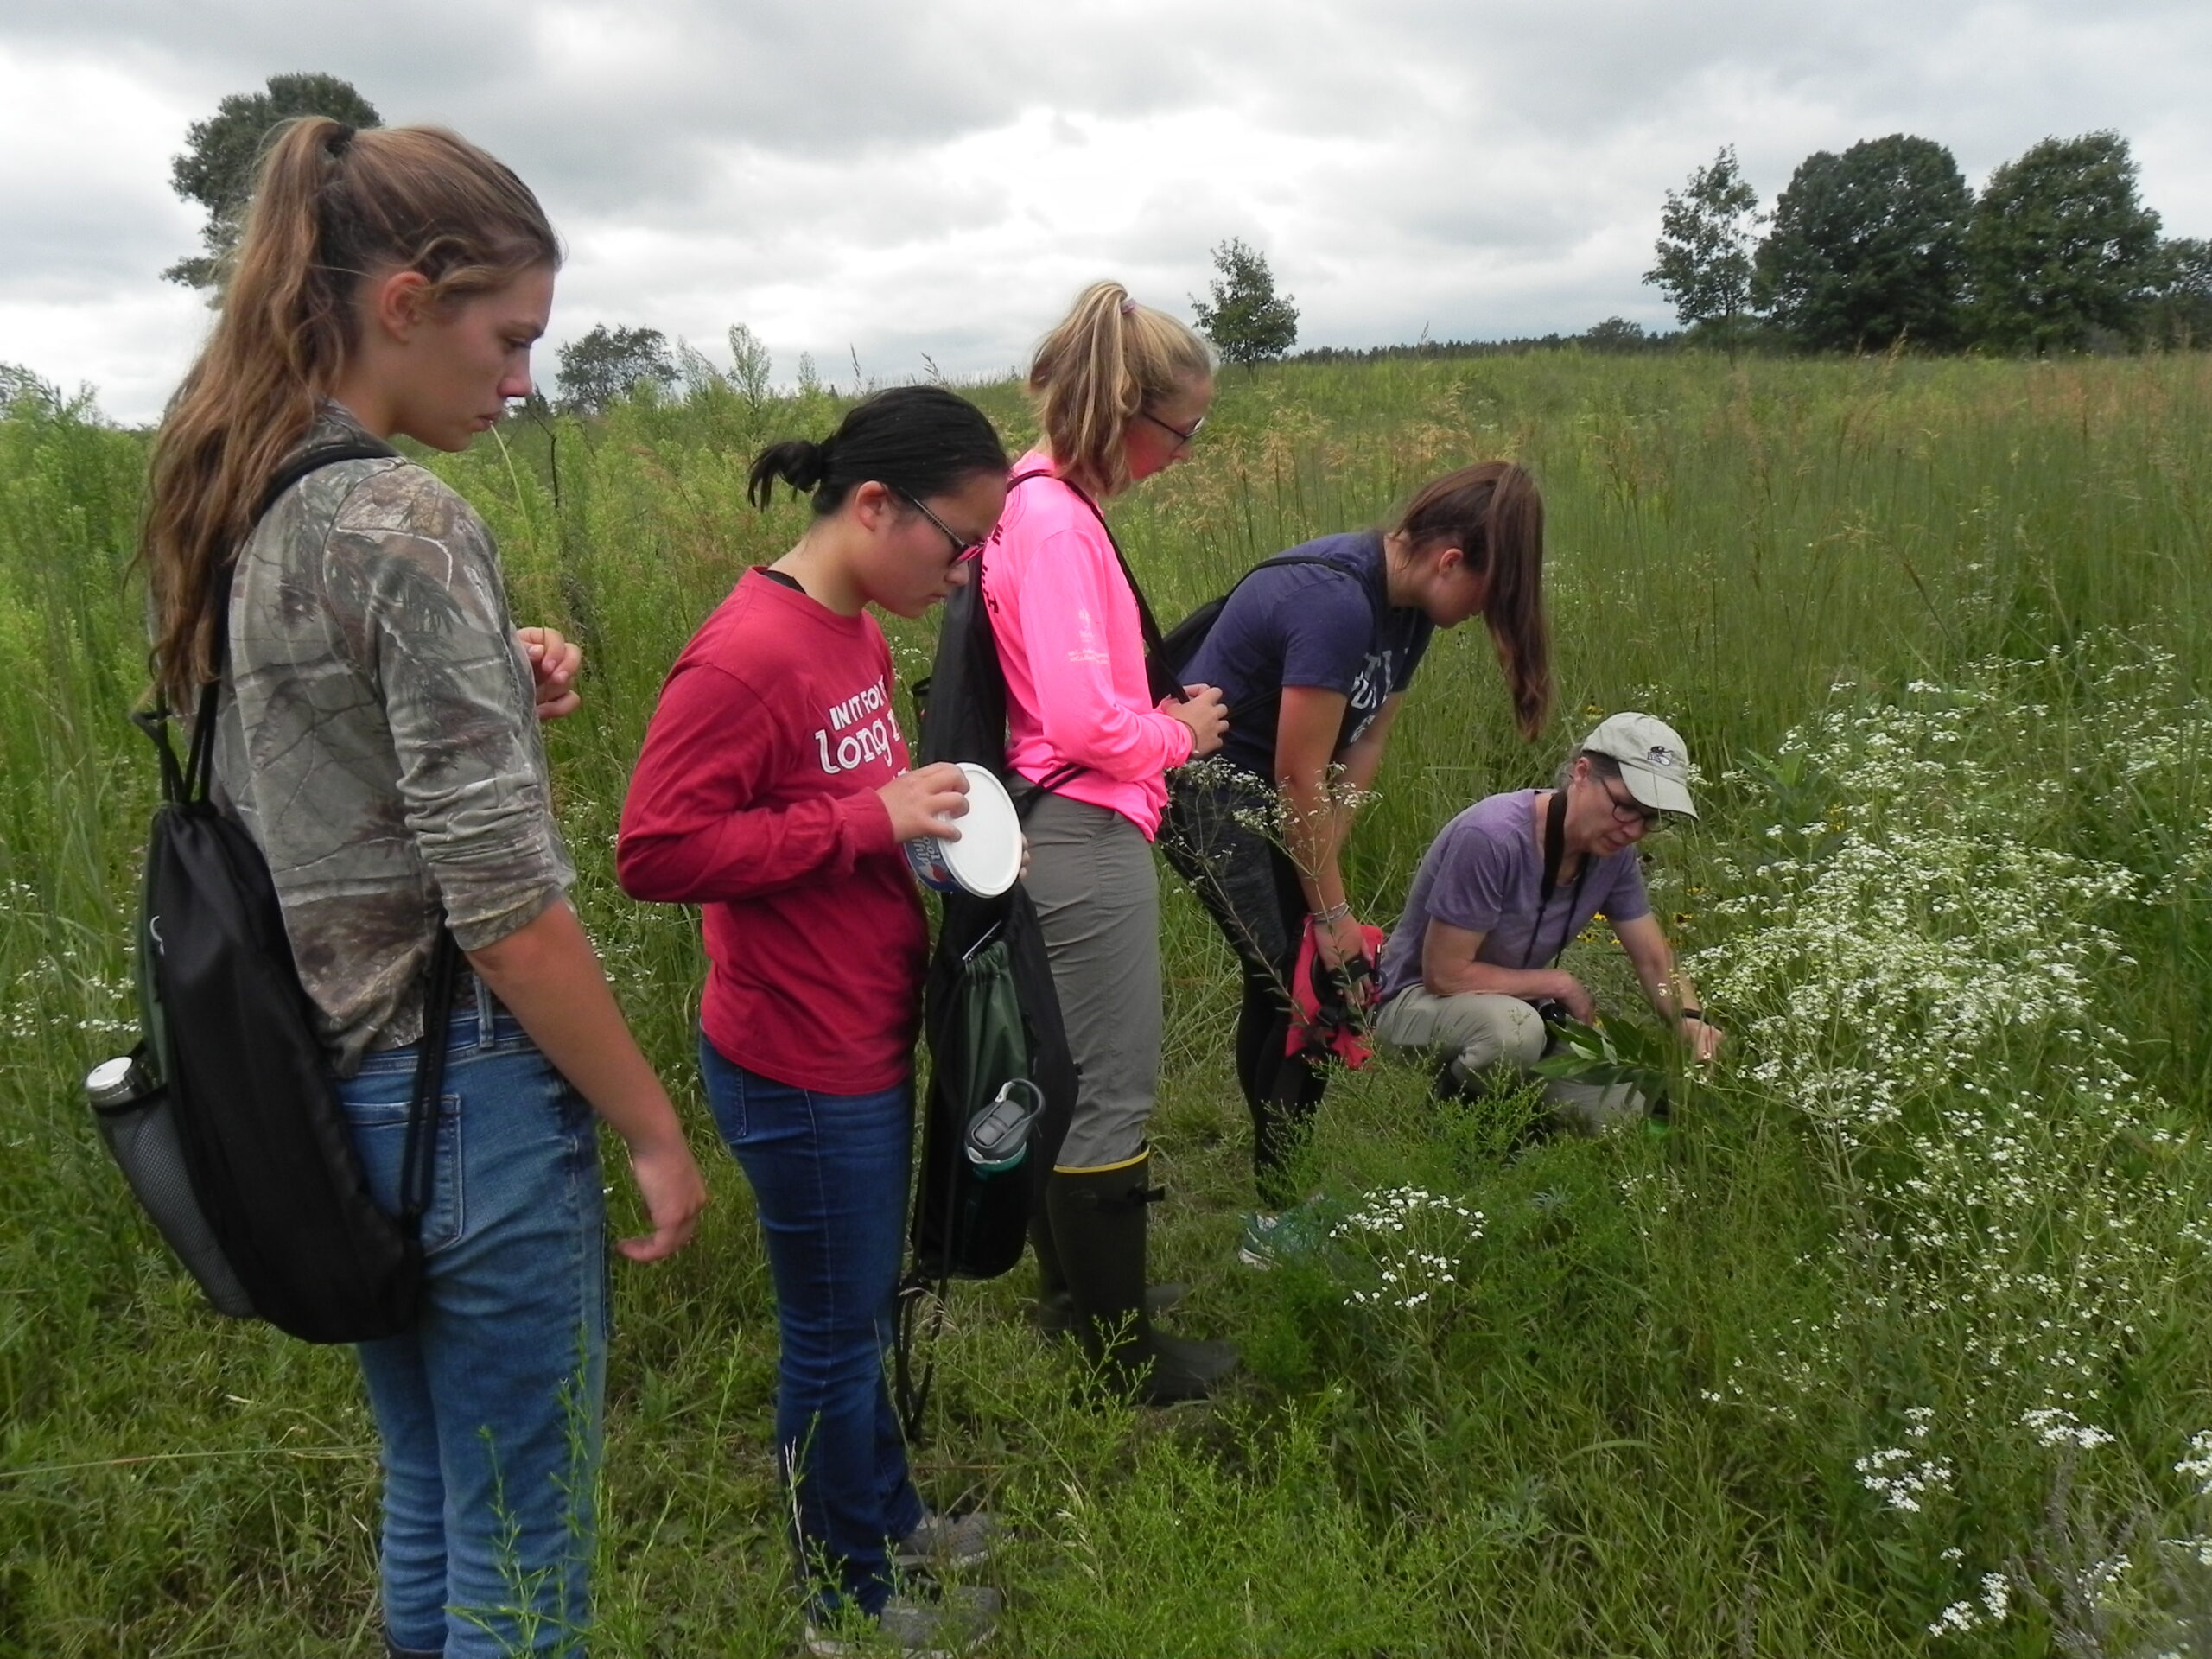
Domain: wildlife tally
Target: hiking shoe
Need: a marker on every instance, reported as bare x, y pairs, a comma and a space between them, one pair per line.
938, 1627
947, 1542
1300, 1231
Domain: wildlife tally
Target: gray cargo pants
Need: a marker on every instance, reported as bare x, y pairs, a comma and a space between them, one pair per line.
1476, 1030
1097, 898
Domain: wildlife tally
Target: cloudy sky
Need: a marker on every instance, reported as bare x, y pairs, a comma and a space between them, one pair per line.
889, 178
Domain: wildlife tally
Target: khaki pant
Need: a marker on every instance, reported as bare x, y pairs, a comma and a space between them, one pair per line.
1477, 1030
1097, 896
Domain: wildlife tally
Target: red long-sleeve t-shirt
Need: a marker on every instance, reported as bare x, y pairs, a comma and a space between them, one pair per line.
755, 798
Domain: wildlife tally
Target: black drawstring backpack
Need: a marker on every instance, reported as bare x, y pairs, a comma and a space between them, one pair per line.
239, 1147
969, 1223
1171, 654
989, 1012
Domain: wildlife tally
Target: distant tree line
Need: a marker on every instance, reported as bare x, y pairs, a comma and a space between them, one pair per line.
1881, 244
1615, 336
1885, 244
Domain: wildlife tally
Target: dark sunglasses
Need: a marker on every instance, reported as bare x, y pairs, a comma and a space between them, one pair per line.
1181, 436
961, 548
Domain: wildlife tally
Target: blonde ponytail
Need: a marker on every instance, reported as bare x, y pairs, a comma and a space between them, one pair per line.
1109, 357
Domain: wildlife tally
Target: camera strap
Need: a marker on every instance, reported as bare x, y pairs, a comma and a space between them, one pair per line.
1555, 855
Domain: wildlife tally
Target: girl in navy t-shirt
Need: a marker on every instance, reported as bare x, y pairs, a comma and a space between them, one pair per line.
1313, 653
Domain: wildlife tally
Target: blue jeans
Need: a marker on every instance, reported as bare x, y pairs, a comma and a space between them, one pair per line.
489, 1409
828, 1175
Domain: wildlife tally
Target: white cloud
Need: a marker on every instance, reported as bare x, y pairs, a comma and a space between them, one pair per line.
856, 176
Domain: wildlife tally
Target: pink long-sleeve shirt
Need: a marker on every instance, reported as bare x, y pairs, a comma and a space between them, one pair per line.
1073, 654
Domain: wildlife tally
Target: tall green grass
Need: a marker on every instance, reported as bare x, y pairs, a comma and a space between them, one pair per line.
1677, 1382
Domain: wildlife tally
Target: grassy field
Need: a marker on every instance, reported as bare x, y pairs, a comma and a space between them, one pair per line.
1896, 1343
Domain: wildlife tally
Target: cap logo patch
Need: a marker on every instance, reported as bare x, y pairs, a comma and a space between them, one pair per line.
1665, 759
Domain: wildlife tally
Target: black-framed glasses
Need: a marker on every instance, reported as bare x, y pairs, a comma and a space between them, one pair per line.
1630, 811
1182, 438
962, 549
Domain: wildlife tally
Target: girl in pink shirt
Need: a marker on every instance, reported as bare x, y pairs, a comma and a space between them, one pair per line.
1120, 389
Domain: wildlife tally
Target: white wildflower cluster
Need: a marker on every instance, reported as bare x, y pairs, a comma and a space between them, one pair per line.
1265, 811
1413, 1240
2197, 1465
1900, 1476
2056, 1426
1961, 1616
1921, 972
67, 989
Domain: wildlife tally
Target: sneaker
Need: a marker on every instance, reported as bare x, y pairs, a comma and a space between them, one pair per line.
953, 1622
947, 1542
1257, 1249
1300, 1231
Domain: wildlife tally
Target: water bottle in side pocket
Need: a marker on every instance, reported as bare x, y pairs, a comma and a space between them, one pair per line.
132, 1107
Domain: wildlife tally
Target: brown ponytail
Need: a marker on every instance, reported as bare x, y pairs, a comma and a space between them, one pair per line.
1492, 512
1096, 371
331, 207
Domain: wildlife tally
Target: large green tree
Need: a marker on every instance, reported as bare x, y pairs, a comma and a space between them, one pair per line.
2181, 311
221, 153
607, 363
1868, 247
2061, 246
1248, 322
1704, 250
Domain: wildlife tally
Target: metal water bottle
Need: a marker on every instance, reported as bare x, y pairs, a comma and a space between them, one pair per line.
118, 1083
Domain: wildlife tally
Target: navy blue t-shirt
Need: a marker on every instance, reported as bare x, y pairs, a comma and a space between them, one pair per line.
1328, 625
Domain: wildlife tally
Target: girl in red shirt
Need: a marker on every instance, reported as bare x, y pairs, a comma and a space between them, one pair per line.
773, 791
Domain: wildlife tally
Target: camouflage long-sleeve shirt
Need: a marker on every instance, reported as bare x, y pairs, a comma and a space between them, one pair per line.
378, 738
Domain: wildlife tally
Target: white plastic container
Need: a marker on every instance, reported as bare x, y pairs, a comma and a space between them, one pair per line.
987, 856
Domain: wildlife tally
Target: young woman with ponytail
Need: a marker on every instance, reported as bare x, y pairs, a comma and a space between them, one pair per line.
378, 737
1313, 652
1120, 389
773, 791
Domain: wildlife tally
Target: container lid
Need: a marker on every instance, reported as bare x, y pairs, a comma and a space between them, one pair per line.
987, 856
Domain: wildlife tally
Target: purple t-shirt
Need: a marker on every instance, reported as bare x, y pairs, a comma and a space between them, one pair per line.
1485, 872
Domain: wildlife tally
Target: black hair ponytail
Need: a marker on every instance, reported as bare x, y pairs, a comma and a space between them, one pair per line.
796, 461
918, 440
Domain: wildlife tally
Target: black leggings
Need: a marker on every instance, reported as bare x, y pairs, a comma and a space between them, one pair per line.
1251, 890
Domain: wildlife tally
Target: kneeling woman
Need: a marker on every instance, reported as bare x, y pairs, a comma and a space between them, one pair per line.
1506, 885
773, 791
1313, 654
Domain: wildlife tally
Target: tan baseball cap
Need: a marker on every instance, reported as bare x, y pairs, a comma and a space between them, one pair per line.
1654, 764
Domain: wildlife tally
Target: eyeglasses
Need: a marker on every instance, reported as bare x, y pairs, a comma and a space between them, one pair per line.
961, 547
1630, 811
1181, 437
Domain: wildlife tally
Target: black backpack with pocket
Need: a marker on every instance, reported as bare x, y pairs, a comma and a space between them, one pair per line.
235, 1141
966, 1224
1174, 650
969, 1223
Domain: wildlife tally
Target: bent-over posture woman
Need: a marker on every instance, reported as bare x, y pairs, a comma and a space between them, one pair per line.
773, 790
1313, 653
378, 739
1120, 390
